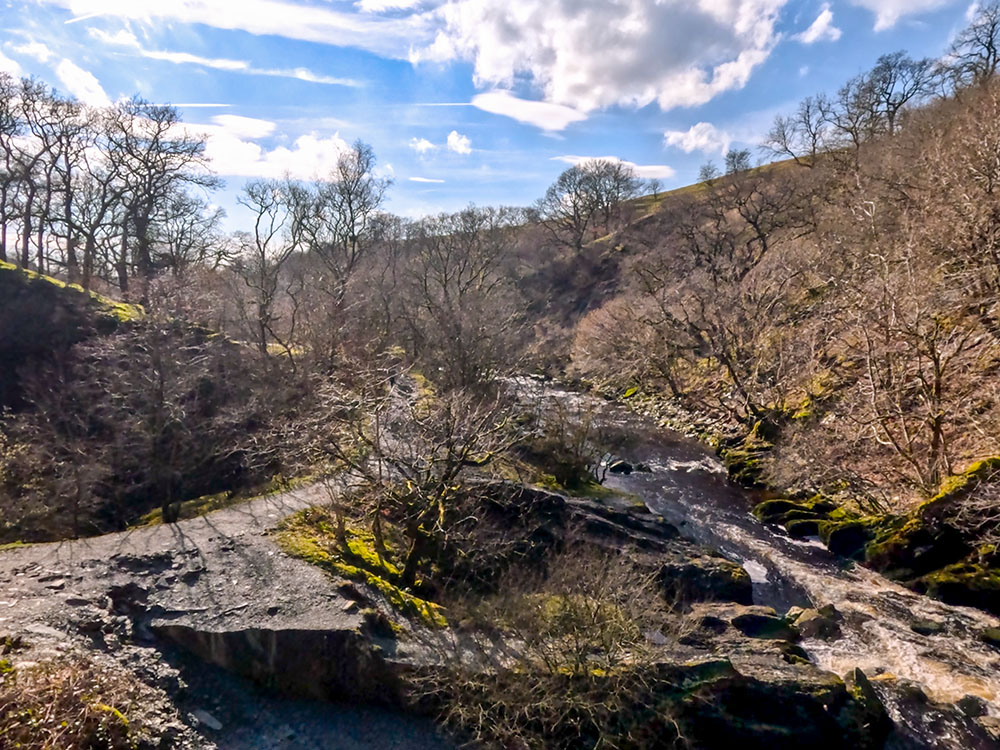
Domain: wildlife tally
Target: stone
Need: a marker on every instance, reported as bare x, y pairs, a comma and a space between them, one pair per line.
927, 627
204, 718
972, 706
813, 623
620, 467
990, 636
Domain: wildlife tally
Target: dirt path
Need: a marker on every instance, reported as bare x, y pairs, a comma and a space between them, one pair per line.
216, 573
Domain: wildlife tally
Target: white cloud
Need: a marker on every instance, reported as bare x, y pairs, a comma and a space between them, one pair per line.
245, 127
822, 29
425, 179
231, 147
11, 67
129, 40
35, 50
82, 84
458, 143
888, 12
703, 136
579, 54
421, 145
645, 171
312, 23
589, 54
542, 115
381, 6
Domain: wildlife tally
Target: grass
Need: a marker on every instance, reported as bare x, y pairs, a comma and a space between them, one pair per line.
311, 536
72, 704
202, 506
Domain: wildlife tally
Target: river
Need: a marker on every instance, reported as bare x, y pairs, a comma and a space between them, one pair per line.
689, 488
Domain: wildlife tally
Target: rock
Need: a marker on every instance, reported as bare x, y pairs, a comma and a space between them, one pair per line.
750, 621
705, 578
643, 468
846, 538
927, 627
377, 624
876, 718
972, 706
801, 528
204, 718
620, 467
813, 623
764, 625
793, 612
991, 636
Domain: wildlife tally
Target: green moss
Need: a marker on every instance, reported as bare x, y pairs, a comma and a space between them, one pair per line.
201, 506
965, 584
119, 311
630, 392
991, 636
310, 536
782, 511
957, 486
13, 545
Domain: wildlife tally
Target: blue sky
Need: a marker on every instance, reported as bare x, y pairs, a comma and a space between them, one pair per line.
482, 101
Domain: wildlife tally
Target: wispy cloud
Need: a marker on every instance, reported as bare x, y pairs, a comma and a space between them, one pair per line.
127, 40
822, 29
551, 117
389, 36
425, 180
646, 171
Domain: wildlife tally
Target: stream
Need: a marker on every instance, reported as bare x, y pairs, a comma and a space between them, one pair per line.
689, 489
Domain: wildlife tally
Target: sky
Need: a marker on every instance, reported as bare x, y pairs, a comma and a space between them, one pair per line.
465, 101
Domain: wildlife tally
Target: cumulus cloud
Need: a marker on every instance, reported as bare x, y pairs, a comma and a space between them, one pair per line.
421, 145
645, 171
231, 147
590, 54
888, 12
11, 67
551, 117
129, 40
458, 143
579, 54
703, 136
35, 50
822, 29
82, 84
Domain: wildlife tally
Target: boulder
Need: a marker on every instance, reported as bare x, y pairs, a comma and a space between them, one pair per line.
812, 623
620, 467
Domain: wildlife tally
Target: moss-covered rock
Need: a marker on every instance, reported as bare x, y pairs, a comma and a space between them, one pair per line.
782, 511
848, 538
968, 584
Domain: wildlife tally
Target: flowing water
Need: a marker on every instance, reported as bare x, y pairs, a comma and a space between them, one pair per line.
688, 487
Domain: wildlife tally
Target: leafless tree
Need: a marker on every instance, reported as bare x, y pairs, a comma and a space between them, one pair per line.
585, 199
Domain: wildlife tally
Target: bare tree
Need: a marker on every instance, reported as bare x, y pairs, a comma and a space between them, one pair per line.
585, 199
263, 254
975, 53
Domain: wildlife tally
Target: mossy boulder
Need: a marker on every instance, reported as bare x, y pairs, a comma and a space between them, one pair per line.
783, 511
41, 316
847, 538
967, 584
